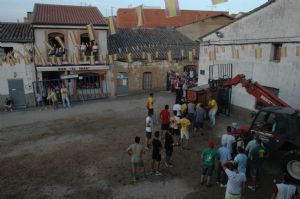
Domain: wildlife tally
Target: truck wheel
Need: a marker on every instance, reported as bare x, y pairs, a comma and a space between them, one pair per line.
291, 165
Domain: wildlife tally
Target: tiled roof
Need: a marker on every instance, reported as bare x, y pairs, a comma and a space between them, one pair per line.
15, 32
137, 41
155, 18
67, 15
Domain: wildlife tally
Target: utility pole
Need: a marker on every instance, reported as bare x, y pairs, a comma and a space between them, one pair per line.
112, 10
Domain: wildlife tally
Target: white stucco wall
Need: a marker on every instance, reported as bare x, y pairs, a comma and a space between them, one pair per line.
278, 22
19, 71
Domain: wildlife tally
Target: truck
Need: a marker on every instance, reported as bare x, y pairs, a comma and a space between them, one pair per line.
277, 125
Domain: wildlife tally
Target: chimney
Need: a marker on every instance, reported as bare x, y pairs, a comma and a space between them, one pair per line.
28, 19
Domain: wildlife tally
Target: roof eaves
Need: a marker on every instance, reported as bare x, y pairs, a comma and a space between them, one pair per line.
247, 14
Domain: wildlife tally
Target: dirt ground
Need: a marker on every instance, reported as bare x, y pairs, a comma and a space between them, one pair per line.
81, 153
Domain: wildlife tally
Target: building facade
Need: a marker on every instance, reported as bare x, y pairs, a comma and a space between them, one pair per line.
147, 58
263, 45
73, 45
16, 75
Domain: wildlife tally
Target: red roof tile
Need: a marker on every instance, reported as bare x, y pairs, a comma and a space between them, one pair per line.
67, 15
154, 18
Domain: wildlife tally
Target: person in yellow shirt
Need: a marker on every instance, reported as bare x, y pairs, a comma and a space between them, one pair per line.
183, 108
64, 96
212, 104
185, 125
53, 98
150, 104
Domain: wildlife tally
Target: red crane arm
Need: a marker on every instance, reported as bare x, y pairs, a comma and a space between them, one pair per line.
262, 94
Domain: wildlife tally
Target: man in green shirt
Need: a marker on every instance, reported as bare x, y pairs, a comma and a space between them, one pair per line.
257, 157
209, 155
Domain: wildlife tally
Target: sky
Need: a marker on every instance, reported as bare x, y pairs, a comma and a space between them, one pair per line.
14, 10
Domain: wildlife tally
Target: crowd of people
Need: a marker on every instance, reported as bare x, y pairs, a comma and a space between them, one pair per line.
52, 95
235, 159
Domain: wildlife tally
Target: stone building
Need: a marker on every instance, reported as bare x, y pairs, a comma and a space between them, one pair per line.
264, 45
16, 77
197, 29
149, 67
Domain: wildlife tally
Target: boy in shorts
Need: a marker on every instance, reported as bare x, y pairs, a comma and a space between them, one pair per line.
174, 126
184, 131
209, 155
156, 155
149, 129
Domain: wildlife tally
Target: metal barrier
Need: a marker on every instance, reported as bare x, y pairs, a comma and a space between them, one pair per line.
80, 88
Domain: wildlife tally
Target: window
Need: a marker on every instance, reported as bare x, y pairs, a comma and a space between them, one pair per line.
57, 48
276, 51
88, 47
275, 91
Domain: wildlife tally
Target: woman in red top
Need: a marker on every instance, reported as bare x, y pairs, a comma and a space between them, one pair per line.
165, 120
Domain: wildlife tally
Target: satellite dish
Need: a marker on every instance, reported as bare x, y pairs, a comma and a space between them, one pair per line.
219, 34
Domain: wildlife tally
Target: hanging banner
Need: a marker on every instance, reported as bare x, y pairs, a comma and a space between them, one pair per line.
53, 60
110, 59
70, 61
182, 53
75, 59
115, 57
143, 55
129, 58
216, 49
49, 47
283, 52
61, 43
156, 55
258, 53
58, 61
112, 26
91, 33
298, 51
92, 60
172, 8
74, 39
215, 2
139, 15
37, 60
212, 55
1, 61
84, 58
37, 51
223, 49
190, 56
149, 56
170, 56
235, 53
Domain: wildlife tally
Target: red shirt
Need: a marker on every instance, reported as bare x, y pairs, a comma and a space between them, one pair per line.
165, 116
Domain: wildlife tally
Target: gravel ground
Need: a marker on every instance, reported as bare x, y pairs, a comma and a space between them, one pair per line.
81, 153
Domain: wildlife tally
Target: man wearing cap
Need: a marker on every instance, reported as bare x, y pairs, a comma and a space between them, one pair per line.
209, 155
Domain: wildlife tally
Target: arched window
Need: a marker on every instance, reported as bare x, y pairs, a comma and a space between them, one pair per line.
57, 43
88, 47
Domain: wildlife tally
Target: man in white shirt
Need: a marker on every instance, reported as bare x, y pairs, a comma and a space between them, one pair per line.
250, 146
228, 139
236, 181
149, 129
177, 108
284, 190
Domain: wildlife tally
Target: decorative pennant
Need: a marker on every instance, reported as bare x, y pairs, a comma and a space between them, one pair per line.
1, 61
43, 61
18, 59
58, 61
143, 55
182, 53
215, 2
190, 56
172, 8
216, 49
74, 39
129, 58
115, 57
61, 43
53, 60
49, 47
169, 56
235, 53
223, 49
112, 26
70, 61
64, 57
37, 51
149, 56
75, 59
258, 53
156, 55
212, 55
283, 52
298, 51
139, 14
91, 33
110, 59
92, 60
84, 58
